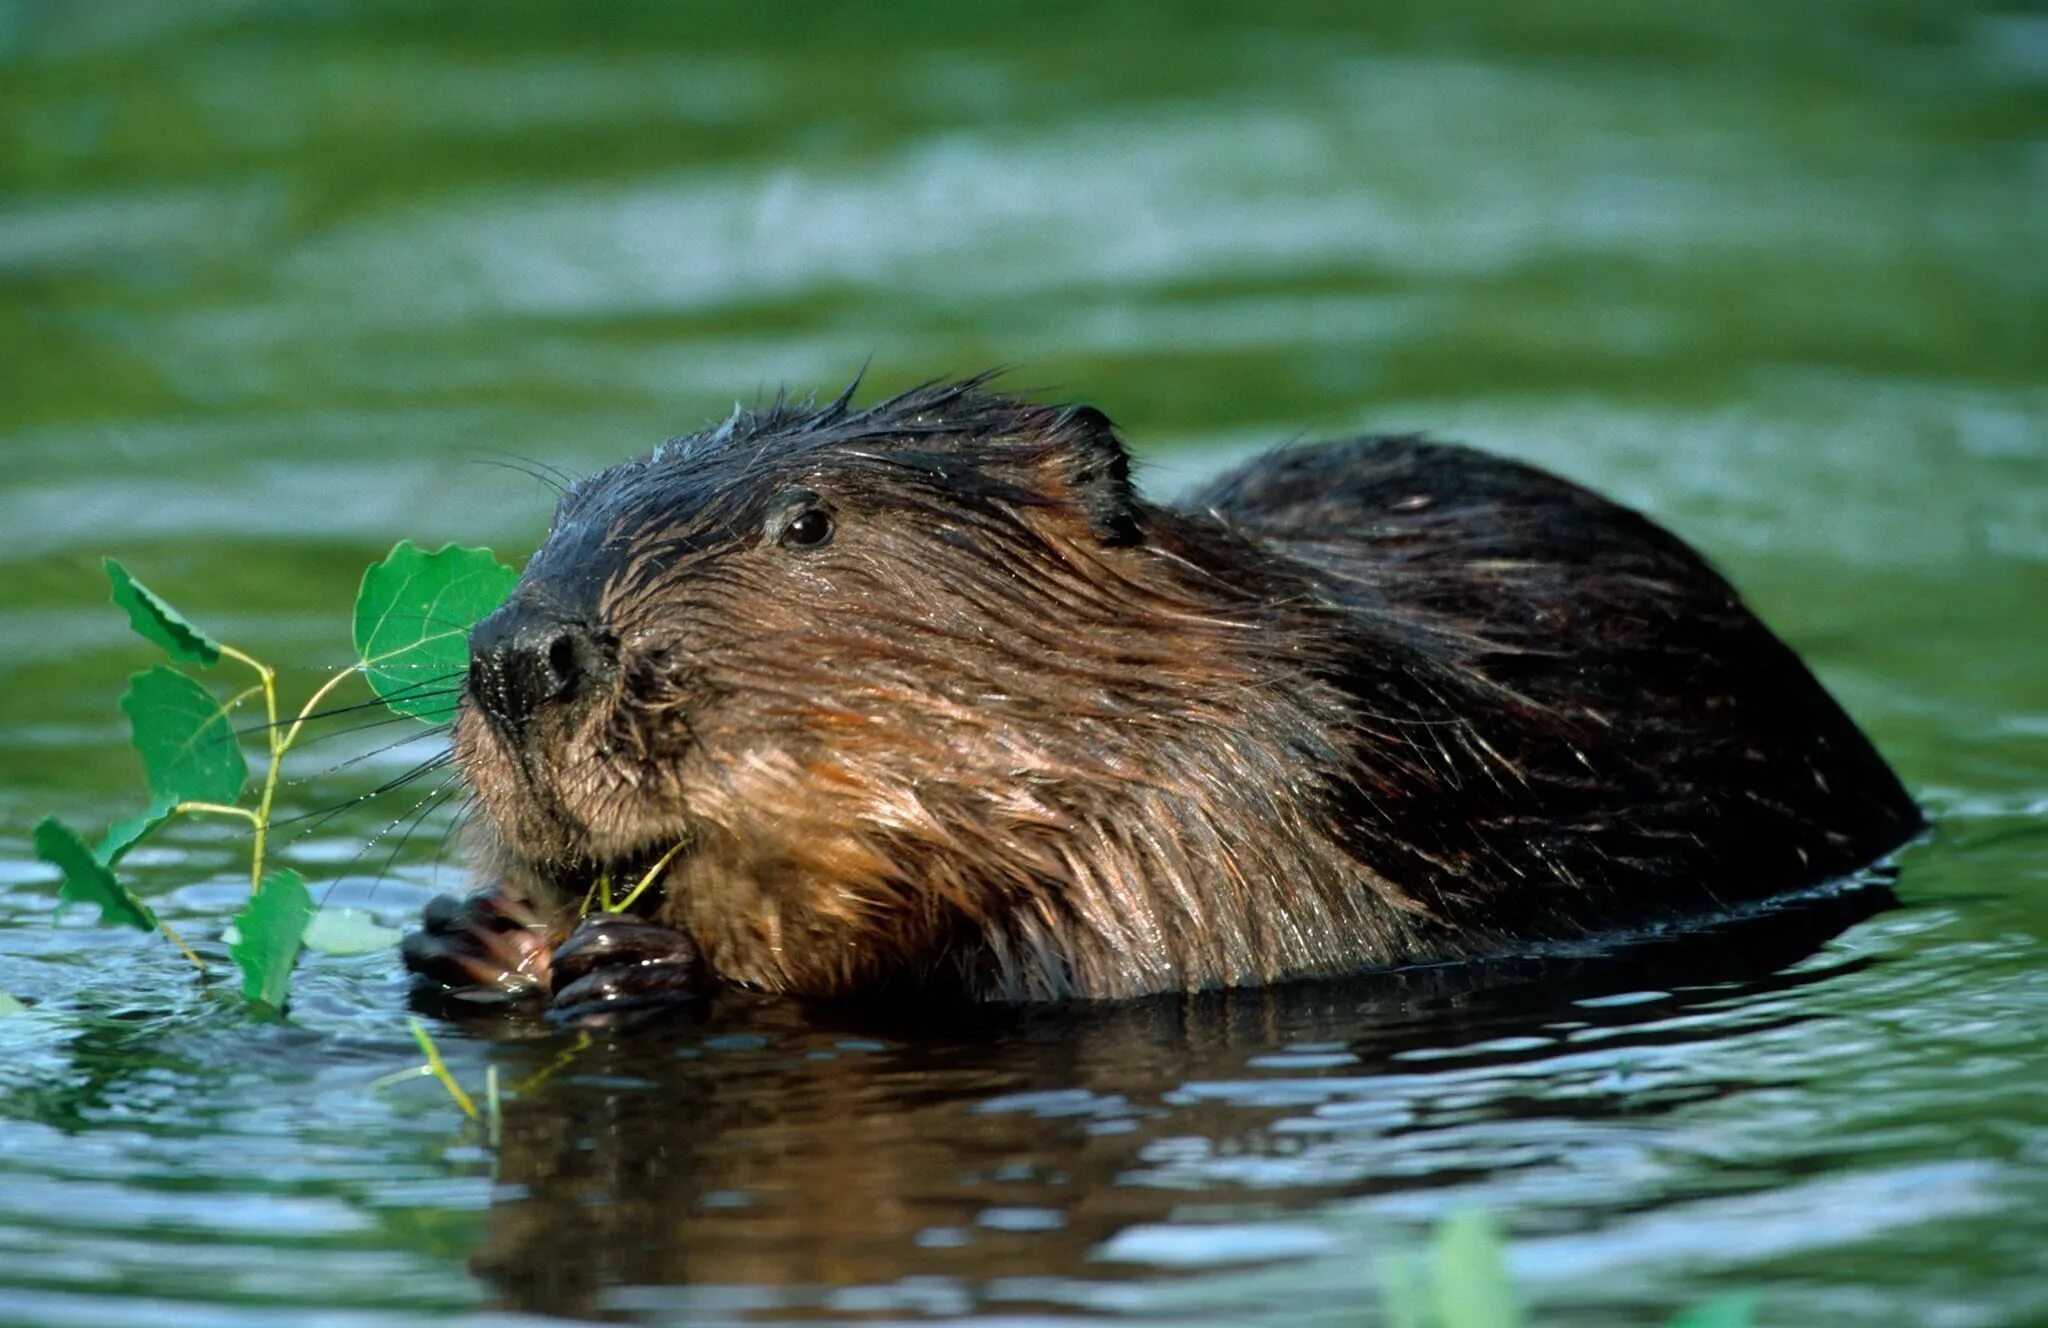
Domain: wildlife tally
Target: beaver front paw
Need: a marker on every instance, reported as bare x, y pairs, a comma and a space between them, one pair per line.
487, 948
614, 961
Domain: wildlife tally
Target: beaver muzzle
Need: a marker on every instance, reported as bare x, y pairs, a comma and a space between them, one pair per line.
528, 654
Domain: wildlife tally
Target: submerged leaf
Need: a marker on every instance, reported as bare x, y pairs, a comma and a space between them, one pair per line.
1737, 1309
1470, 1274
349, 931
87, 880
188, 746
413, 616
155, 620
269, 932
8, 1005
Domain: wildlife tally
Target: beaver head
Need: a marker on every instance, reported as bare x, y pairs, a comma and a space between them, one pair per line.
884, 673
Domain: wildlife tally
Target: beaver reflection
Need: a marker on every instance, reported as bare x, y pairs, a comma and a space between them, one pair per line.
769, 1155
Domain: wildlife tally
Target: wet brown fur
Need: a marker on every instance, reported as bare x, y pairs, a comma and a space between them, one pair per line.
1016, 732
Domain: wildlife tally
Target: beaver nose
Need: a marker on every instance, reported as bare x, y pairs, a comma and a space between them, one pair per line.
526, 655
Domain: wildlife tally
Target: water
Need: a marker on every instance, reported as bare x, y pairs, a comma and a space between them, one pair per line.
277, 276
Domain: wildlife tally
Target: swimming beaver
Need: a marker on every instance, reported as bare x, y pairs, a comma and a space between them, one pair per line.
932, 699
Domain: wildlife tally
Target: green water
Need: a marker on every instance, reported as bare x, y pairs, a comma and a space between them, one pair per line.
275, 278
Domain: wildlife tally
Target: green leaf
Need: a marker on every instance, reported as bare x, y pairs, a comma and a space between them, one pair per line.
155, 620
8, 1005
1470, 1267
1737, 1309
188, 746
87, 880
125, 834
349, 931
270, 931
413, 616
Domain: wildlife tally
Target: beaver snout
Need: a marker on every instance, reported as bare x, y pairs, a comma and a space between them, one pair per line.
527, 655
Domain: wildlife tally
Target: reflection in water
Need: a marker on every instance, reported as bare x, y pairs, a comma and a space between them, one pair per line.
759, 1153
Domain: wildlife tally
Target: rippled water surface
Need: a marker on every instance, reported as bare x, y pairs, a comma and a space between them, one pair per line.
275, 278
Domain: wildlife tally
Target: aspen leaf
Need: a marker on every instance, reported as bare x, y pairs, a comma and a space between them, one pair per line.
413, 616
87, 880
154, 619
189, 750
270, 931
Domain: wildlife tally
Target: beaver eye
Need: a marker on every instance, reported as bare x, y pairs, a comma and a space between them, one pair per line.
809, 529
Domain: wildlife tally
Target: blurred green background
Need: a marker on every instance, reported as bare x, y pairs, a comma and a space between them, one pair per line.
281, 282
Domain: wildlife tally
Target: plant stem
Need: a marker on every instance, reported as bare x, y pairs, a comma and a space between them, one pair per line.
384, 1081
268, 676
306, 711
280, 743
645, 881
440, 1070
216, 809
179, 941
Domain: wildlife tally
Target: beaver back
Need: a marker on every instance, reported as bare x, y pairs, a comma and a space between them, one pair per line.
1565, 718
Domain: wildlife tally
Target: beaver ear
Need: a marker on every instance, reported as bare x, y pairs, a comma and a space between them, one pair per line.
1089, 462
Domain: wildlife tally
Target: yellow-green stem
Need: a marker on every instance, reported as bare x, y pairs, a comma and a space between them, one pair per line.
279, 745
440, 1070
214, 809
384, 1081
268, 676
179, 941
645, 881
306, 711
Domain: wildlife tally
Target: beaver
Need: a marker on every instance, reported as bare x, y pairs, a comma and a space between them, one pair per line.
925, 697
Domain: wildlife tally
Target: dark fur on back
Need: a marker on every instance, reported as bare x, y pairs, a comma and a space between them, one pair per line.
1617, 732
1015, 729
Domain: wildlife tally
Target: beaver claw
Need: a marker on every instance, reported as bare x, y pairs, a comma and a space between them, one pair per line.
613, 961
490, 949
486, 948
